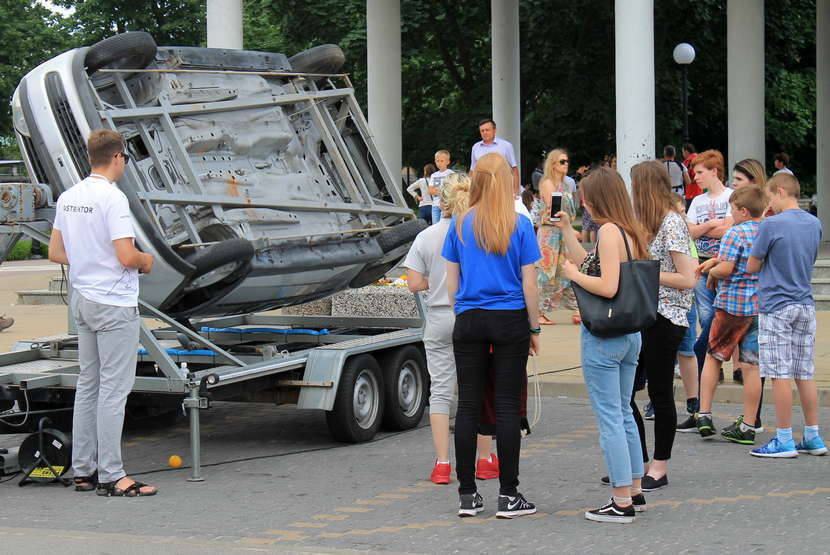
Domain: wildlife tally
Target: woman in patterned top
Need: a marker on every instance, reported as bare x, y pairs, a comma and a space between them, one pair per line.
553, 288
668, 237
609, 363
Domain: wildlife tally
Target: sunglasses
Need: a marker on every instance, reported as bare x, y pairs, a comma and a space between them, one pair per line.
564, 162
125, 156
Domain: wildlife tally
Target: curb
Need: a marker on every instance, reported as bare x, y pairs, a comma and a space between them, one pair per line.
726, 393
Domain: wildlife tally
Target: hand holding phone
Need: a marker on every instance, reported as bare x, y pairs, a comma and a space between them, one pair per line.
555, 205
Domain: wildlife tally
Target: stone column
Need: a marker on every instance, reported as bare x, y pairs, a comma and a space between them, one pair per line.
823, 113
504, 37
634, 66
224, 24
383, 44
745, 81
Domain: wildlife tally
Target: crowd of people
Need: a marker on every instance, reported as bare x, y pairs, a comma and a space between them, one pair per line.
734, 284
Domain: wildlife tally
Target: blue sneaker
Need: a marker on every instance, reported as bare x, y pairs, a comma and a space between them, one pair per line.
649, 412
776, 449
813, 447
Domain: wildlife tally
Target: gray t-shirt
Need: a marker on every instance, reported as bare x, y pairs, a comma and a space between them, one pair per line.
676, 171
788, 245
425, 257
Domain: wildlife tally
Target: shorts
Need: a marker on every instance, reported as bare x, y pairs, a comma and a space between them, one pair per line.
687, 344
728, 331
787, 340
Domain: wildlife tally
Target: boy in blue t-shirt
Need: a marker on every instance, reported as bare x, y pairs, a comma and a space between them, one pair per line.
784, 254
735, 321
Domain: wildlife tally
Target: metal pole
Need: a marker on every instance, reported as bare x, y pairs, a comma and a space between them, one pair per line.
195, 435
685, 103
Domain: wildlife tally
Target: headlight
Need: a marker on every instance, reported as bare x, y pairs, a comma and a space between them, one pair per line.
18, 120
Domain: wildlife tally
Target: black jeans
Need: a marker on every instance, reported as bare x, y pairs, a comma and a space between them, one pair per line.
475, 331
657, 358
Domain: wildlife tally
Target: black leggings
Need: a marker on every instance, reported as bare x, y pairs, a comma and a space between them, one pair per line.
657, 358
475, 331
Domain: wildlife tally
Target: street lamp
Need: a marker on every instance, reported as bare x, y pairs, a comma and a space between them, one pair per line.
684, 54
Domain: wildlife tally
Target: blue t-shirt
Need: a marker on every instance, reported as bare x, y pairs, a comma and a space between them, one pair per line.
490, 281
788, 245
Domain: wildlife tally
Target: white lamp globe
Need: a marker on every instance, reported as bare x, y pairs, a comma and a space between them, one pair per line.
684, 53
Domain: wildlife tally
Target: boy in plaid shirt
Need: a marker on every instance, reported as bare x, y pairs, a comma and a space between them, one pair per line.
736, 316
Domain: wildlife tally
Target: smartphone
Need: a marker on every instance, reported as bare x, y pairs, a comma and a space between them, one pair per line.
555, 206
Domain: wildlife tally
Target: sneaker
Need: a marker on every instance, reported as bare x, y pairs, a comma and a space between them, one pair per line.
441, 473
511, 507
649, 412
612, 513
688, 425
606, 481
776, 449
470, 504
652, 484
813, 447
720, 376
738, 375
6, 322
736, 434
639, 501
487, 470
705, 427
759, 428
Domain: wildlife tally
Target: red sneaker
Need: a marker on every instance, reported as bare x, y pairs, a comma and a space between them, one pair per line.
441, 473
487, 470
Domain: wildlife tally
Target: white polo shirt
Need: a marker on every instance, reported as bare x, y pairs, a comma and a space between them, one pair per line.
90, 216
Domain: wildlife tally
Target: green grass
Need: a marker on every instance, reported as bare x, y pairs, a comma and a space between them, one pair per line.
23, 250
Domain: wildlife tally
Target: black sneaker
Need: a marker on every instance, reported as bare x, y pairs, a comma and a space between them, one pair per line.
511, 507
606, 481
720, 376
688, 425
639, 501
705, 427
650, 484
612, 513
470, 505
735, 434
738, 376
648, 412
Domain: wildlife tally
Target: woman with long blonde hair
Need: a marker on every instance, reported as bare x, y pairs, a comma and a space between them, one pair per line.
609, 364
553, 287
749, 172
427, 271
491, 281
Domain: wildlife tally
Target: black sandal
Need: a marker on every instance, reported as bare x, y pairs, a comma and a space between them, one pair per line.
109, 489
86, 483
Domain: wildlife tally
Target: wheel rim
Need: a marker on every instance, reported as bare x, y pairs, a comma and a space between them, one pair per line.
366, 399
410, 389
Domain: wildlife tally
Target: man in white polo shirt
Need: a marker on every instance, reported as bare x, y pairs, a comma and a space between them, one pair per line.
490, 143
93, 234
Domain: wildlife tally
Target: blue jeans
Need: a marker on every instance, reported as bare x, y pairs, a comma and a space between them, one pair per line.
425, 213
705, 301
608, 366
436, 214
687, 345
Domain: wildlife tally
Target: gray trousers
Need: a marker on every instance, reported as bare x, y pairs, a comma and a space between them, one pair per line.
440, 359
107, 352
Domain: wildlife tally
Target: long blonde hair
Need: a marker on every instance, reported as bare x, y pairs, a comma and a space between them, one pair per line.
651, 188
604, 189
552, 167
455, 193
491, 204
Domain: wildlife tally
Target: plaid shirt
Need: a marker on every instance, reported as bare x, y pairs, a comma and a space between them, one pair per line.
738, 293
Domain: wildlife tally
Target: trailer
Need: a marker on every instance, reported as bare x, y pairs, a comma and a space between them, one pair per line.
364, 372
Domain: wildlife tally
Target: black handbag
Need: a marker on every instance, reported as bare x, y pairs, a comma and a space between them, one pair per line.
632, 309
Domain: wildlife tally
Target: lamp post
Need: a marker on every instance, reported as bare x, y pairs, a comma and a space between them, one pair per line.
684, 54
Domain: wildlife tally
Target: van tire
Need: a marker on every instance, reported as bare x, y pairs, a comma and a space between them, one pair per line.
325, 58
132, 50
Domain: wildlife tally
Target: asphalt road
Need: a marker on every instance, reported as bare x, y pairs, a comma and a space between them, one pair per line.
275, 481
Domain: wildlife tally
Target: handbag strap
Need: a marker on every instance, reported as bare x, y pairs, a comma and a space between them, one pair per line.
625, 240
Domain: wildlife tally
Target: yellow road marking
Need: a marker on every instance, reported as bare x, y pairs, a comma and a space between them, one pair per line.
329, 517
308, 524
353, 510
411, 490
392, 496
388, 529
372, 502
288, 535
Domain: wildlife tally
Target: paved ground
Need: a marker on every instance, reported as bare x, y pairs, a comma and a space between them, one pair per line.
276, 481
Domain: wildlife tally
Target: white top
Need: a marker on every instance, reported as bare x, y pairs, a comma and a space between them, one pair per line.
425, 257
436, 180
501, 146
521, 208
676, 171
90, 216
784, 170
422, 185
707, 207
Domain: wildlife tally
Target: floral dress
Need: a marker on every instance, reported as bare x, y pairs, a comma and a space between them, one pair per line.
554, 290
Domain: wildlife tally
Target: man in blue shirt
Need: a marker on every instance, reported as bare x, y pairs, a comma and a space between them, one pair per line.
784, 254
490, 143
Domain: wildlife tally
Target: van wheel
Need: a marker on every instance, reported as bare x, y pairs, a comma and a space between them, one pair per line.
407, 387
133, 50
325, 58
358, 407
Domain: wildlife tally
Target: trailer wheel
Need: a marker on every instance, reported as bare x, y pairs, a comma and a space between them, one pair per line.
324, 58
407, 385
358, 408
132, 50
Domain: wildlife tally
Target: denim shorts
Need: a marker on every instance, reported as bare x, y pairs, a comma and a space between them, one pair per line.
687, 344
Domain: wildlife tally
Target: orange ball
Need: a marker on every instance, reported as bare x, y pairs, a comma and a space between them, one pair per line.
174, 461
